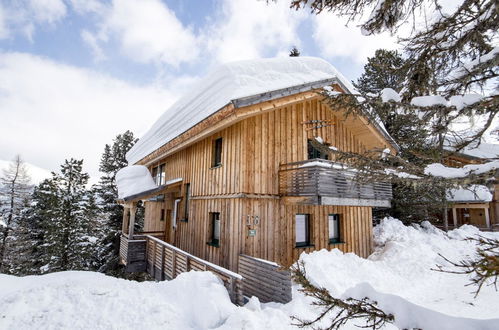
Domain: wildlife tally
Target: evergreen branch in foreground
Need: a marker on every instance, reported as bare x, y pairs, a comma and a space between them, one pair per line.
342, 310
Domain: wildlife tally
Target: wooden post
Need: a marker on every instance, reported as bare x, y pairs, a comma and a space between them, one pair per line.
124, 225
162, 262
131, 226
454, 216
487, 218
174, 264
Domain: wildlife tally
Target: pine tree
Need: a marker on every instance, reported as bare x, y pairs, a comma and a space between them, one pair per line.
14, 193
69, 217
32, 227
385, 69
294, 52
113, 159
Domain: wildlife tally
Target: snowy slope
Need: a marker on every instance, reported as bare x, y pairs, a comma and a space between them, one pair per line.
398, 275
37, 174
230, 82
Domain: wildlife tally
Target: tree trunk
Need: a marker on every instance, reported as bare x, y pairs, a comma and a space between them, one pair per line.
6, 231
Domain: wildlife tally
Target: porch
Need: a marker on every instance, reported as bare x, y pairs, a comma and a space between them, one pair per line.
323, 182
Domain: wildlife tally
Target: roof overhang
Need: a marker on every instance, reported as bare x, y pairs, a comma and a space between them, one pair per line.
149, 193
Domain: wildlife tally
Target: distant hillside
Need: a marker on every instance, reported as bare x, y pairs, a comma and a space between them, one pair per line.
37, 174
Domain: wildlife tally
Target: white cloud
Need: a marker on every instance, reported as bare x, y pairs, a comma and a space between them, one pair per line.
25, 15
4, 32
87, 6
92, 42
148, 32
50, 111
47, 11
334, 38
251, 29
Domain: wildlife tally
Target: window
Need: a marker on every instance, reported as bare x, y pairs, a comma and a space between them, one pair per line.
175, 212
316, 150
162, 215
158, 174
334, 228
217, 152
215, 229
162, 173
302, 222
187, 200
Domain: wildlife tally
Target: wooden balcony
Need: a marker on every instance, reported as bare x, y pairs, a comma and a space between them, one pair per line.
323, 182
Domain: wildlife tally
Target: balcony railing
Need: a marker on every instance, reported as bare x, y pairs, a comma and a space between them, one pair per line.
329, 183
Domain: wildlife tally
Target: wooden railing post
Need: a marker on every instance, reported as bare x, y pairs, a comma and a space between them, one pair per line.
162, 262
174, 264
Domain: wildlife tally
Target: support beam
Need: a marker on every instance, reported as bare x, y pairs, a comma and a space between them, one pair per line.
454, 216
133, 209
124, 225
487, 218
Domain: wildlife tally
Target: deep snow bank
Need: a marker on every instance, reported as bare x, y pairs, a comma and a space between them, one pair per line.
398, 275
87, 300
402, 266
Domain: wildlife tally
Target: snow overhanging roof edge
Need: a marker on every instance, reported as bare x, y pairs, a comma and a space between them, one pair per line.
278, 93
237, 84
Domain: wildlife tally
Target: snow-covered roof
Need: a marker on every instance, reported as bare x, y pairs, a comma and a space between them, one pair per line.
229, 83
474, 193
483, 150
134, 179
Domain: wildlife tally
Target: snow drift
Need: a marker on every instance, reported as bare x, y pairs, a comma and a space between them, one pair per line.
398, 275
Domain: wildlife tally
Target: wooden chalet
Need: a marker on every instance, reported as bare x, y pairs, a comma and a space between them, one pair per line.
475, 205
244, 177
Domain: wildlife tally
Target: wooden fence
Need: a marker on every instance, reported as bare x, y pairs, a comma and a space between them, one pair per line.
165, 261
133, 254
265, 280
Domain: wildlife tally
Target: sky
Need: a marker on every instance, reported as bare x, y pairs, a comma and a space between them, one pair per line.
75, 73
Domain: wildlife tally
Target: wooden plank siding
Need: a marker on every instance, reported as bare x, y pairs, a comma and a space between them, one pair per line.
246, 184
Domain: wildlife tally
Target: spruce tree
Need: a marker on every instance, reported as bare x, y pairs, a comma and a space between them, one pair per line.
33, 224
113, 159
69, 220
294, 52
14, 194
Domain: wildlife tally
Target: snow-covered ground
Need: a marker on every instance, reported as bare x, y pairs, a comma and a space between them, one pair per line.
398, 275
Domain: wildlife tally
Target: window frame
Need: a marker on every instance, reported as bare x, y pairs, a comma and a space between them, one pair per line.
315, 153
308, 231
158, 174
334, 240
214, 217
187, 199
217, 152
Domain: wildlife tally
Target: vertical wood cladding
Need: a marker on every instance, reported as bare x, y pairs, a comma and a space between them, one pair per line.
252, 150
